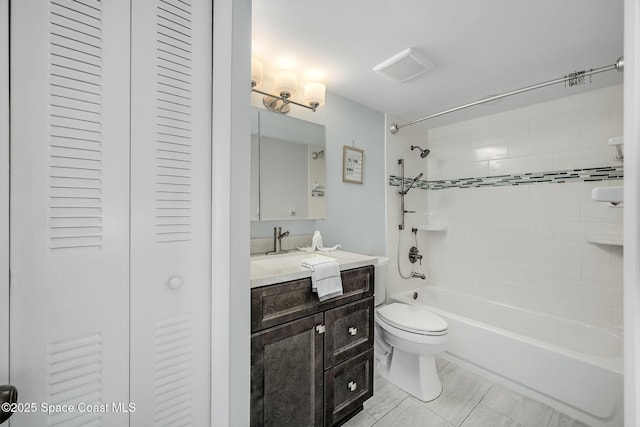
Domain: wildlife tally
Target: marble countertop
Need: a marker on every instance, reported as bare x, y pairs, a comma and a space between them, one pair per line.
270, 269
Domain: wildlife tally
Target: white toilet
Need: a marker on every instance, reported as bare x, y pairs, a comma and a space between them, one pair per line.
407, 339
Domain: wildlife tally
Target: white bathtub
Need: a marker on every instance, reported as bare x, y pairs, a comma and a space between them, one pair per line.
571, 366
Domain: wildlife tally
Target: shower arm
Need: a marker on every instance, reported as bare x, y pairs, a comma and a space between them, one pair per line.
619, 65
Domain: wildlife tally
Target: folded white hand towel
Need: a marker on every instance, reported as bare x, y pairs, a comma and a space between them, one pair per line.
313, 261
325, 276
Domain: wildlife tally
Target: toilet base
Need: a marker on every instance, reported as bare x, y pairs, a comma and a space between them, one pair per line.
417, 375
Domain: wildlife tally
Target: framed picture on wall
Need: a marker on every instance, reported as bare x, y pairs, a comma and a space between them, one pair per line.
352, 164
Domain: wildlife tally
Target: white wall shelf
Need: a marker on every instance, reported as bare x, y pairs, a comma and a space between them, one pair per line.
429, 227
605, 239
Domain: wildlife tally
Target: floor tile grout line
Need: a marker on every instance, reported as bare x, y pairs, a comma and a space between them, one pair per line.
476, 405
387, 413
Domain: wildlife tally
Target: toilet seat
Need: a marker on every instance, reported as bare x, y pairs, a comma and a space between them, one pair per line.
412, 319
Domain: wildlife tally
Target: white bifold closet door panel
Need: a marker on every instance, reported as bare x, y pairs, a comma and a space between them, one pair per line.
69, 299
171, 211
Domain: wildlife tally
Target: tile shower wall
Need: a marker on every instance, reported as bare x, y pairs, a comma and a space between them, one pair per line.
528, 244
525, 244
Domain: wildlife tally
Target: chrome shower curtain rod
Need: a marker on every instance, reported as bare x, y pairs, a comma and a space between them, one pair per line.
619, 65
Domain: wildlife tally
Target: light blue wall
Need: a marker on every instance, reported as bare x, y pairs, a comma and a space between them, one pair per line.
355, 212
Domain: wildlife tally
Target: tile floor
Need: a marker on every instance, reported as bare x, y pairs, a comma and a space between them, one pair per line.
467, 400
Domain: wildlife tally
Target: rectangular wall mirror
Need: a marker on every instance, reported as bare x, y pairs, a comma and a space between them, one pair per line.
288, 168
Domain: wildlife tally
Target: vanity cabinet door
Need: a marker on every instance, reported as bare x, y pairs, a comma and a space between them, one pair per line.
347, 386
349, 331
287, 374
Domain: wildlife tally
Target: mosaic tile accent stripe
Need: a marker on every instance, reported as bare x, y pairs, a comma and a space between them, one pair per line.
605, 173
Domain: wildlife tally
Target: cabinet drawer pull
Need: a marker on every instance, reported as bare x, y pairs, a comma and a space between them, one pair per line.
352, 386
353, 331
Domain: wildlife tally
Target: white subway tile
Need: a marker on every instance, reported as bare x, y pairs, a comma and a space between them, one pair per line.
563, 192
600, 212
584, 158
561, 211
617, 317
589, 292
617, 255
617, 119
561, 258
597, 135
542, 143
602, 273
471, 154
599, 254
490, 152
481, 210
520, 116
520, 165
527, 277
570, 119
522, 229
462, 128
506, 194
439, 144
608, 95
442, 168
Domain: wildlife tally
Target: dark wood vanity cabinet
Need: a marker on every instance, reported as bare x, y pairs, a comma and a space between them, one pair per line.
311, 361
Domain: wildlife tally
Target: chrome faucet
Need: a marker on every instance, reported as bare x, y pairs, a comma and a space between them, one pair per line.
278, 235
419, 275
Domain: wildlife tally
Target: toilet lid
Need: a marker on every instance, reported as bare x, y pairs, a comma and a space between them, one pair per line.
412, 319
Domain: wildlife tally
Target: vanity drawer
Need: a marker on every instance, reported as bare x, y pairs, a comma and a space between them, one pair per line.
347, 386
349, 331
356, 284
275, 304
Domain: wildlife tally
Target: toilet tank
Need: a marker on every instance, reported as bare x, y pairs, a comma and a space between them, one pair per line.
380, 280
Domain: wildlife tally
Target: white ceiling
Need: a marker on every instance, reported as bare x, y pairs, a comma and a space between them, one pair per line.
481, 48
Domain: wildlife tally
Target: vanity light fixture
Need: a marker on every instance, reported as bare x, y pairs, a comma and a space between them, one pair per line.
286, 85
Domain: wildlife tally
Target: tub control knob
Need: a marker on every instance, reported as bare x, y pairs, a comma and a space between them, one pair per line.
353, 331
352, 386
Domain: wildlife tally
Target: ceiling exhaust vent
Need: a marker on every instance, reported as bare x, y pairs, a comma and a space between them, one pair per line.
404, 66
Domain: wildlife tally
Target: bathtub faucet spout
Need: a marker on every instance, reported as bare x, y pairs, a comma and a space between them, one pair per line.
420, 275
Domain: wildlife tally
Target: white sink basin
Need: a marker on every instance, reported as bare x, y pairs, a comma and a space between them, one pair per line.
608, 194
289, 260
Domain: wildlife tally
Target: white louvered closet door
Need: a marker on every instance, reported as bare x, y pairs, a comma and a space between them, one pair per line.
70, 207
170, 211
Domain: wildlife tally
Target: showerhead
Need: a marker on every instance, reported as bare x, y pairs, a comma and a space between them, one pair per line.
423, 153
